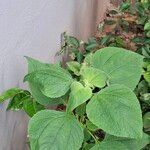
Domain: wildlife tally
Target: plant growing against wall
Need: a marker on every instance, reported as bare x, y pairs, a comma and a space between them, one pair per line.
127, 27
101, 110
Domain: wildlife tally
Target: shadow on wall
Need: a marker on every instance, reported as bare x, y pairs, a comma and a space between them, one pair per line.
87, 16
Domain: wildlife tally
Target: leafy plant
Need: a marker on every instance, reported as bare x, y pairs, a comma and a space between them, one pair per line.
100, 109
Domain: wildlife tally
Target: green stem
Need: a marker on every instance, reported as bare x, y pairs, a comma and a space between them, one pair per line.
93, 136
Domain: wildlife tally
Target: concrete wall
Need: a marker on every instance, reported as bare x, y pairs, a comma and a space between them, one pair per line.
33, 28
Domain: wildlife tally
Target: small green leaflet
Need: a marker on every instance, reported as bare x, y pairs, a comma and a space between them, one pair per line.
49, 129
74, 67
88, 59
53, 83
73, 42
146, 121
147, 26
122, 66
16, 103
79, 94
93, 76
9, 94
115, 143
23, 100
147, 76
116, 111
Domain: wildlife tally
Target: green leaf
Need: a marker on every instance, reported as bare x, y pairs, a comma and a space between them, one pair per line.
92, 44
147, 26
88, 59
142, 87
146, 121
35, 65
53, 83
81, 110
79, 57
16, 103
91, 126
122, 66
145, 97
79, 94
73, 42
41, 98
148, 34
105, 40
119, 41
9, 94
93, 76
31, 107
147, 76
74, 67
139, 9
49, 129
116, 111
115, 143
145, 52
125, 6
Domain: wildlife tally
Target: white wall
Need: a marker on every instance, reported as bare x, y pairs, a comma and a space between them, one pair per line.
33, 28
30, 27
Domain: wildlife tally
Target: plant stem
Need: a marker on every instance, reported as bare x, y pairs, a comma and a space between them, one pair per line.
93, 136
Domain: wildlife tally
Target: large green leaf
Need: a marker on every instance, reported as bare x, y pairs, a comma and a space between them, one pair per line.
116, 110
41, 98
79, 94
122, 66
94, 77
9, 94
115, 143
35, 65
53, 83
31, 107
53, 130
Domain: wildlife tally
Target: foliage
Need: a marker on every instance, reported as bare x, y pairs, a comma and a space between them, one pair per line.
97, 90
126, 27
102, 110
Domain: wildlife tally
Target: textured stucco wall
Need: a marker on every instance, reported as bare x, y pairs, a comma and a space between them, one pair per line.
33, 28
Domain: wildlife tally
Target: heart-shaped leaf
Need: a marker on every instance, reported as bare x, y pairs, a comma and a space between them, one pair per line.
116, 110
49, 129
35, 65
122, 66
53, 81
115, 143
93, 76
79, 94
